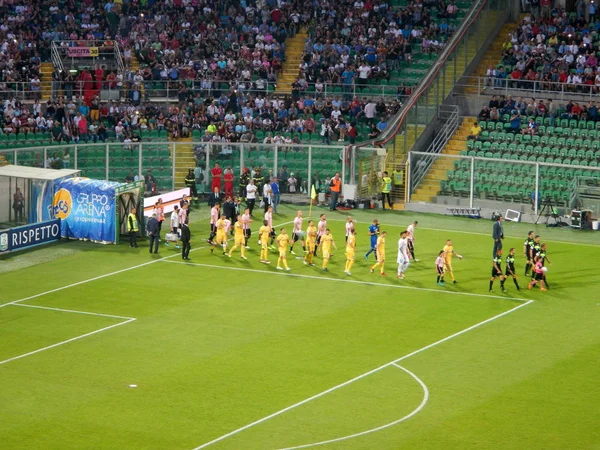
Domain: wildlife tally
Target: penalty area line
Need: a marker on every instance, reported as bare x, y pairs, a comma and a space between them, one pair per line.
359, 377
76, 338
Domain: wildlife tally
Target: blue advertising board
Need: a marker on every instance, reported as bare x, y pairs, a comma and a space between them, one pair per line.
20, 238
87, 209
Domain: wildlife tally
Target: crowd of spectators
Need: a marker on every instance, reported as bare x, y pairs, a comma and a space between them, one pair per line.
195, 47
229, 118
551, 50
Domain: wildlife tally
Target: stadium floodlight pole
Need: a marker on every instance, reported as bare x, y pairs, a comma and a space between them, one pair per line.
310, 182
242, 160
106, 168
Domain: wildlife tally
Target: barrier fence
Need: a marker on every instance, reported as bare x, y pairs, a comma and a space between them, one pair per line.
168, 162
508, 178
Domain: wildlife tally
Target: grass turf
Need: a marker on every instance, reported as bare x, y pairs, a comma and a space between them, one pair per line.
214, 349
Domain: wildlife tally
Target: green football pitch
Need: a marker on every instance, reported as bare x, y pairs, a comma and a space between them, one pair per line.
108, 347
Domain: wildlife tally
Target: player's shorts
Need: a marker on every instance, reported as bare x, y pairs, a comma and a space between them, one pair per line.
221, 238
411, 245
509, 273
247, 233
380, 256
374, 245
448, 266
176, 230
283, 252
326, 254
496, 273
298, 236
538, 276
402, 259
318, 240
310, 246
213, 228
350, 254
440, 270
240, 241
264, 244
272, 234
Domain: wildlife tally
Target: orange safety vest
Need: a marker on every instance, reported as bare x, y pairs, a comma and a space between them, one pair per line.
336, 185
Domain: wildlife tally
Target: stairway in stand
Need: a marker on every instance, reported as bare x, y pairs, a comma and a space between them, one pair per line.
397, 160
429, 186
294, 47
492, 56
46, 70
184, 160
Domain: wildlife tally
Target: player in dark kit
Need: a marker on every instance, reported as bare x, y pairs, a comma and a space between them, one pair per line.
527, 252
510, 267
497, 270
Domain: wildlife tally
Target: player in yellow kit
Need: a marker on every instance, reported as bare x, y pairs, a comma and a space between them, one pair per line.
380, 254
311, 243
263, 240
448, 254
239, 238
350, 250
221, 238
283, 240
326, 243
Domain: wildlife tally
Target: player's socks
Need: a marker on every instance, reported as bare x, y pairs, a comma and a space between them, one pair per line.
516, 283
438, 280
491, 284
502, 285
285, 264
304, 248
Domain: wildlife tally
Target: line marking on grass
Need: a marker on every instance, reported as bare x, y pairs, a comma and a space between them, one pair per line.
343, 280
359, 377
99, 277
382, 427
73, 311
65, 342
478, 233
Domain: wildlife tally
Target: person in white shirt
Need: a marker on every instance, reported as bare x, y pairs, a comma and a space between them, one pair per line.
297, 233
410, 230
175, 228
370, 109
403, 259
251, 190
363, 73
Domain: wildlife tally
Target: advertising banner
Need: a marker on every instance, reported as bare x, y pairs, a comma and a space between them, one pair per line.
27, 236
82, 52
170, 199
86, 208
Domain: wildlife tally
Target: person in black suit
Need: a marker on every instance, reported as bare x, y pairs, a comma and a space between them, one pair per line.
498, 235
215, 197
186, 236
153, 232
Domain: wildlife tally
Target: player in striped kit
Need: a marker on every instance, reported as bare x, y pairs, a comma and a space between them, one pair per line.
214, 217
349, 226
297, 233
321, 227
411, 239
246, 221
269, 219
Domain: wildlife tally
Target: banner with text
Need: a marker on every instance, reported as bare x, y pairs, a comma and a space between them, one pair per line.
87, 209
29, 236
82, 52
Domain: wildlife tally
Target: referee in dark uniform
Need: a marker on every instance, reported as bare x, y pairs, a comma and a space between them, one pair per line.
498, 235
527, 246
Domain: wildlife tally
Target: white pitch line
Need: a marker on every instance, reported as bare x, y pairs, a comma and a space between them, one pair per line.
382, 427
473, 232
73, 311
359, 377
343, 280
65, 342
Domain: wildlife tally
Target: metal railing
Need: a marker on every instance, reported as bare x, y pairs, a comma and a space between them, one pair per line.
536, 180
530, 88
448, 114
439, 82
168, 91
56, 60
170, 161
